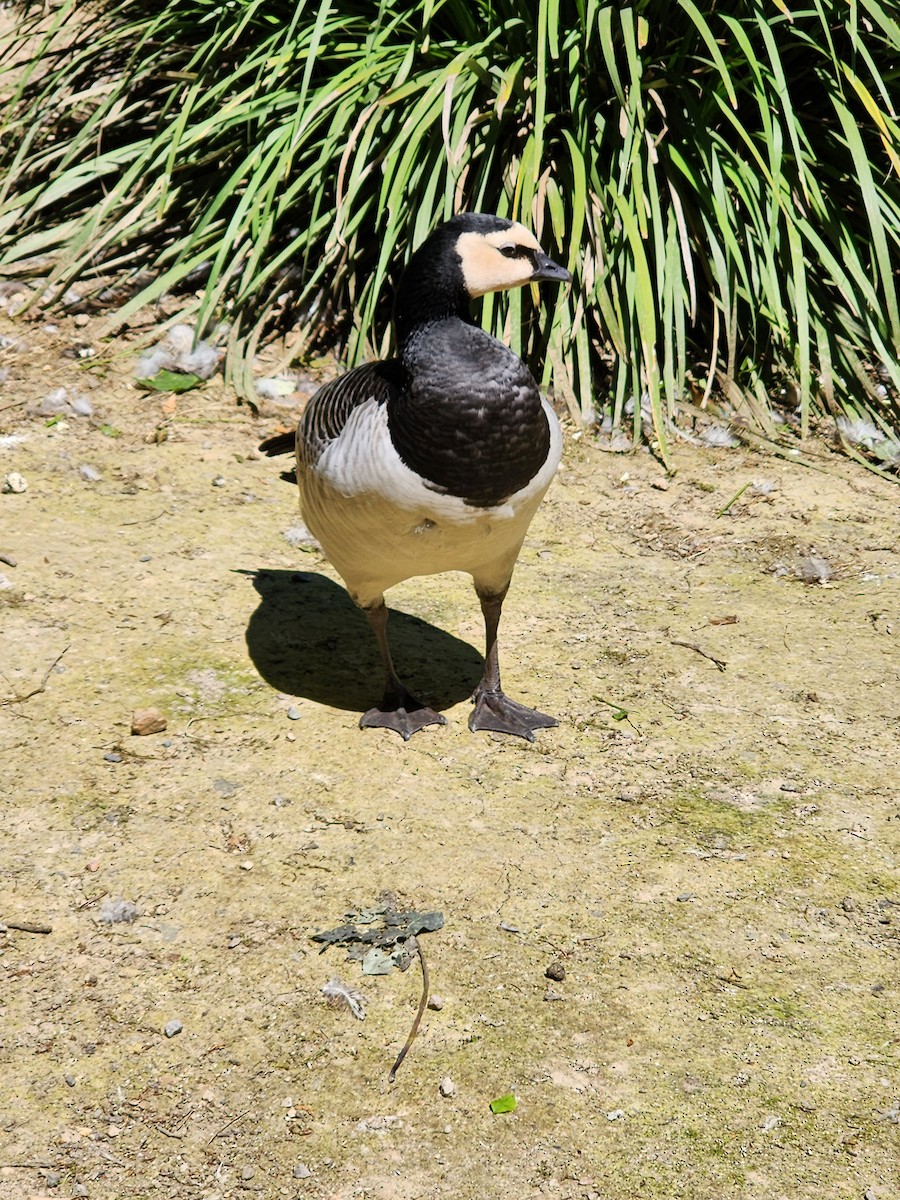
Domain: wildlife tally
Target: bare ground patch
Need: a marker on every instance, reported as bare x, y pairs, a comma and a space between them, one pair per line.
707, 843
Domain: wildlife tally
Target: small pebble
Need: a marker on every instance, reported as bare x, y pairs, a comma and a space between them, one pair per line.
435, 1003
219, 481
146, 558
145, 721
685, 896
294, 714
9, 560
301, 1171
246, 865
14, 483
447, 1087
91, 474
556, 971
112, 756
171, 1028
53, 1179
70, 1080
848, 904
550, 995
616, 1114
247, 1172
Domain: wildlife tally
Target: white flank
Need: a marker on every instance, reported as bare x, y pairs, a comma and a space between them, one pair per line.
379, 524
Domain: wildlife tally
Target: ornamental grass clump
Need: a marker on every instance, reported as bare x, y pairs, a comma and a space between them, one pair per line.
721, 179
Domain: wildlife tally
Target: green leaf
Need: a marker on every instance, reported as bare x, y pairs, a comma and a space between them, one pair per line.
170, 381
504, 1104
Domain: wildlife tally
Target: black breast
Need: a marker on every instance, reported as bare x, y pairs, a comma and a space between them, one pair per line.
470, 419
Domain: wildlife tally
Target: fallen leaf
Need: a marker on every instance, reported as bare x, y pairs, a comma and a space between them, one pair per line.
170, 381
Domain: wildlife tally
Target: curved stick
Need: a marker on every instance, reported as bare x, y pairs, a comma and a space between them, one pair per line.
415, 1025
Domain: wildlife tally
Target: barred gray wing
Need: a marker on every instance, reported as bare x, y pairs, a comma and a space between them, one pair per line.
329, 410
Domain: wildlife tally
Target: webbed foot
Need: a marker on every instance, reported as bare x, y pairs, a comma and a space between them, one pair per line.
401, 711
495, 711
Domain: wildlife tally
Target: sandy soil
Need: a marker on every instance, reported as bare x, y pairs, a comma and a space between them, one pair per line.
707, 844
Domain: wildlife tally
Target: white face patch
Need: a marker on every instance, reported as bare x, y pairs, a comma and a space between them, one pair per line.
489, 263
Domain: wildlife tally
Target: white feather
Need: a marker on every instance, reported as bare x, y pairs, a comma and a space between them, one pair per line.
340, 994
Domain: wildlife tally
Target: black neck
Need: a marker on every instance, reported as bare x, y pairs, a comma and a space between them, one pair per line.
431, 290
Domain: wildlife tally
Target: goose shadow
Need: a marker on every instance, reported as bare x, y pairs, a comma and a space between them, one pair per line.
307, 638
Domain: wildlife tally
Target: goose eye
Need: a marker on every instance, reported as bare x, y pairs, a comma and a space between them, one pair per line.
510, 251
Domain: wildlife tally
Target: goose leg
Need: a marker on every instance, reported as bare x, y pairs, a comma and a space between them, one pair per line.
399, 709
494, 710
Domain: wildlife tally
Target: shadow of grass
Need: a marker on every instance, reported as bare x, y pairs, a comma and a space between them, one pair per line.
307, 638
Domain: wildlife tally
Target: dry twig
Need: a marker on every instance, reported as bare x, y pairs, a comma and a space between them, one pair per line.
415, 1025
693, 646
42, 686
233, 1121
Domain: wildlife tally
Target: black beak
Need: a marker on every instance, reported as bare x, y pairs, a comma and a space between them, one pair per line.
547, 271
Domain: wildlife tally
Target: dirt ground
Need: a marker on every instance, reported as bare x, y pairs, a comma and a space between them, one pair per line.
707, 845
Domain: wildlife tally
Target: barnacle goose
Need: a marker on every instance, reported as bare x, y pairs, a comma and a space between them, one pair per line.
435, 460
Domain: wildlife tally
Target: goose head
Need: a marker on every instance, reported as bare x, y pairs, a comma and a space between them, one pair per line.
466, 257
495, 254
